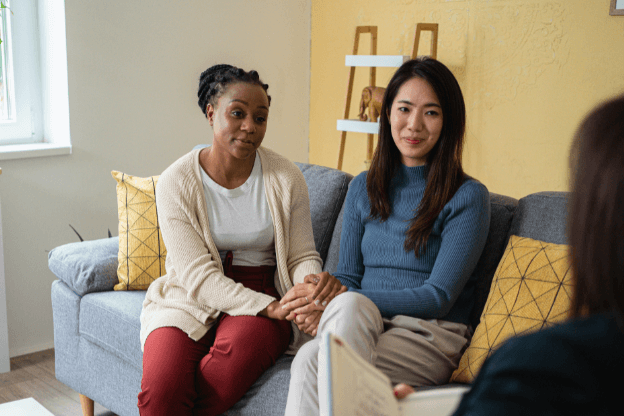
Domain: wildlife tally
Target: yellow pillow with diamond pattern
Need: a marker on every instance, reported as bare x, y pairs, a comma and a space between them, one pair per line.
142, 251
531, 290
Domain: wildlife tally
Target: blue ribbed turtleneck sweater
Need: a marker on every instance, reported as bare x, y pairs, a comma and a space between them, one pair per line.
435, 285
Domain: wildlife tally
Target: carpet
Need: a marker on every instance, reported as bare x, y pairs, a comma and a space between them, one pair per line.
24, 407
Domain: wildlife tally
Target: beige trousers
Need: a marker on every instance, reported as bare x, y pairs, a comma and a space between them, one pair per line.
408, 350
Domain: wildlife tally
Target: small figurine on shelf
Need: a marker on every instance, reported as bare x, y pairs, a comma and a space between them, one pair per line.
372, 98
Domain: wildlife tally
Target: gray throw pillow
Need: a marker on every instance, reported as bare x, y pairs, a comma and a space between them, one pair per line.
88, 266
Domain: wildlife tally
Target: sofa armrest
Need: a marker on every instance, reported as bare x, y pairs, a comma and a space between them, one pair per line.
88, 266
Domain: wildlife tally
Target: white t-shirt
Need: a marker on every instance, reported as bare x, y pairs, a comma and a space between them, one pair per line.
240, 219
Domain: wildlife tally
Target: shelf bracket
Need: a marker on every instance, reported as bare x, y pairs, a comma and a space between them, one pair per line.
426, 27
420, 27
373, 72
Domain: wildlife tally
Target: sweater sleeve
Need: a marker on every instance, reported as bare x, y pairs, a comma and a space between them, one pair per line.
195, 268
350, 261
302, 259
463, 237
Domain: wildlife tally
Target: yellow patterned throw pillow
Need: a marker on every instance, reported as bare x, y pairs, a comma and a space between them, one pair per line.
531, 290
142, 251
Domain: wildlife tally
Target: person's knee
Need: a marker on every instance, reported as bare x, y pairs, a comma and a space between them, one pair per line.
160, 393
270, 338
350, 303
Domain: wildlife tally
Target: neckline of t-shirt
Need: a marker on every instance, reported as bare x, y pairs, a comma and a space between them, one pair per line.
256, 172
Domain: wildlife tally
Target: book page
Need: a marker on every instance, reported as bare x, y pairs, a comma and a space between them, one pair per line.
357, 388
438, 402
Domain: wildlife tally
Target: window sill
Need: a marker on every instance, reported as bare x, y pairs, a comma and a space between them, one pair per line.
23, 151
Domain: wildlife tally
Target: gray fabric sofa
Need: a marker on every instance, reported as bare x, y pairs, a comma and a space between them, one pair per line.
96, 329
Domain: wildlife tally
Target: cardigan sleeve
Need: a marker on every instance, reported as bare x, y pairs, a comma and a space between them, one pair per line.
302, 258
195, 269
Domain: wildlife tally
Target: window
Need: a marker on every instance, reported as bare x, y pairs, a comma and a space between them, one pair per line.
21, 77
7, 100
34, 104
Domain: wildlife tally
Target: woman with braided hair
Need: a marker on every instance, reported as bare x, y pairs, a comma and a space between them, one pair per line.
235, 218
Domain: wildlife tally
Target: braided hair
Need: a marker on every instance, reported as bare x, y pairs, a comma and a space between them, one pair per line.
214, 81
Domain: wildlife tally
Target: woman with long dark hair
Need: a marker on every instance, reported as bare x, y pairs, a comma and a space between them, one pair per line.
573, 368
414, 227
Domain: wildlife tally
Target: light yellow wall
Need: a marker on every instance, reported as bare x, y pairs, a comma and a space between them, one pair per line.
133, 69
529, 69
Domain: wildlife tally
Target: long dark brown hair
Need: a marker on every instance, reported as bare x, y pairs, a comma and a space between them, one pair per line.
596, 213
444, 162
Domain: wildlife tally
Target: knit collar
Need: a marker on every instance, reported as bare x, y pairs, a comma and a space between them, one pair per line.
412, 174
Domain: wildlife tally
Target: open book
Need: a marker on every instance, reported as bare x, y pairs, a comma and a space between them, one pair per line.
357, 388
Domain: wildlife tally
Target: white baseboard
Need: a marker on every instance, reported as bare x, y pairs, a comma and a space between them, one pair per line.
16, 352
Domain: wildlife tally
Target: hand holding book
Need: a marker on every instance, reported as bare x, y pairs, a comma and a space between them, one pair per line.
352, 386
402, 390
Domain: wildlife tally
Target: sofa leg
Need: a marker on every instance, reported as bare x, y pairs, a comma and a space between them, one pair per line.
87, 405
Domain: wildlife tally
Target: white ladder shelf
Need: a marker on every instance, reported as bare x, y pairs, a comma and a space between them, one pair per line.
374, 61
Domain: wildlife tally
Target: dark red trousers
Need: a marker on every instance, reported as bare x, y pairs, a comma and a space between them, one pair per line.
207, 377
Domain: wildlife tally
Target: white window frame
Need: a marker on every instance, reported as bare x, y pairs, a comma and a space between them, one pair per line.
22, 45
7, 64
44, 73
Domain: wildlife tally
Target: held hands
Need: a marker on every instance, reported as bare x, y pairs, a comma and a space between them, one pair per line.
327, 287
274, 311
305, 302
308, 323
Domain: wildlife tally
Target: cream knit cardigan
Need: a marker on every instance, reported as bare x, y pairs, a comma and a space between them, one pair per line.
194, 291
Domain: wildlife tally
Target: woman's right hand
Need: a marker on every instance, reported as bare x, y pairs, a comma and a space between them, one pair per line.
274, 311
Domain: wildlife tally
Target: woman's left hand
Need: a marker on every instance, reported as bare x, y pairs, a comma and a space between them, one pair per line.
327, 287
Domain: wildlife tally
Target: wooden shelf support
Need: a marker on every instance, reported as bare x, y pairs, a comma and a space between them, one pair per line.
373, 72
373, 61
426, 27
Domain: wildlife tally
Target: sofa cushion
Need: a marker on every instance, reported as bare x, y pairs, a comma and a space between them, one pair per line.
88, 266
111, 320
531, 290
142, 251
542, 216
327, 188
501, 214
